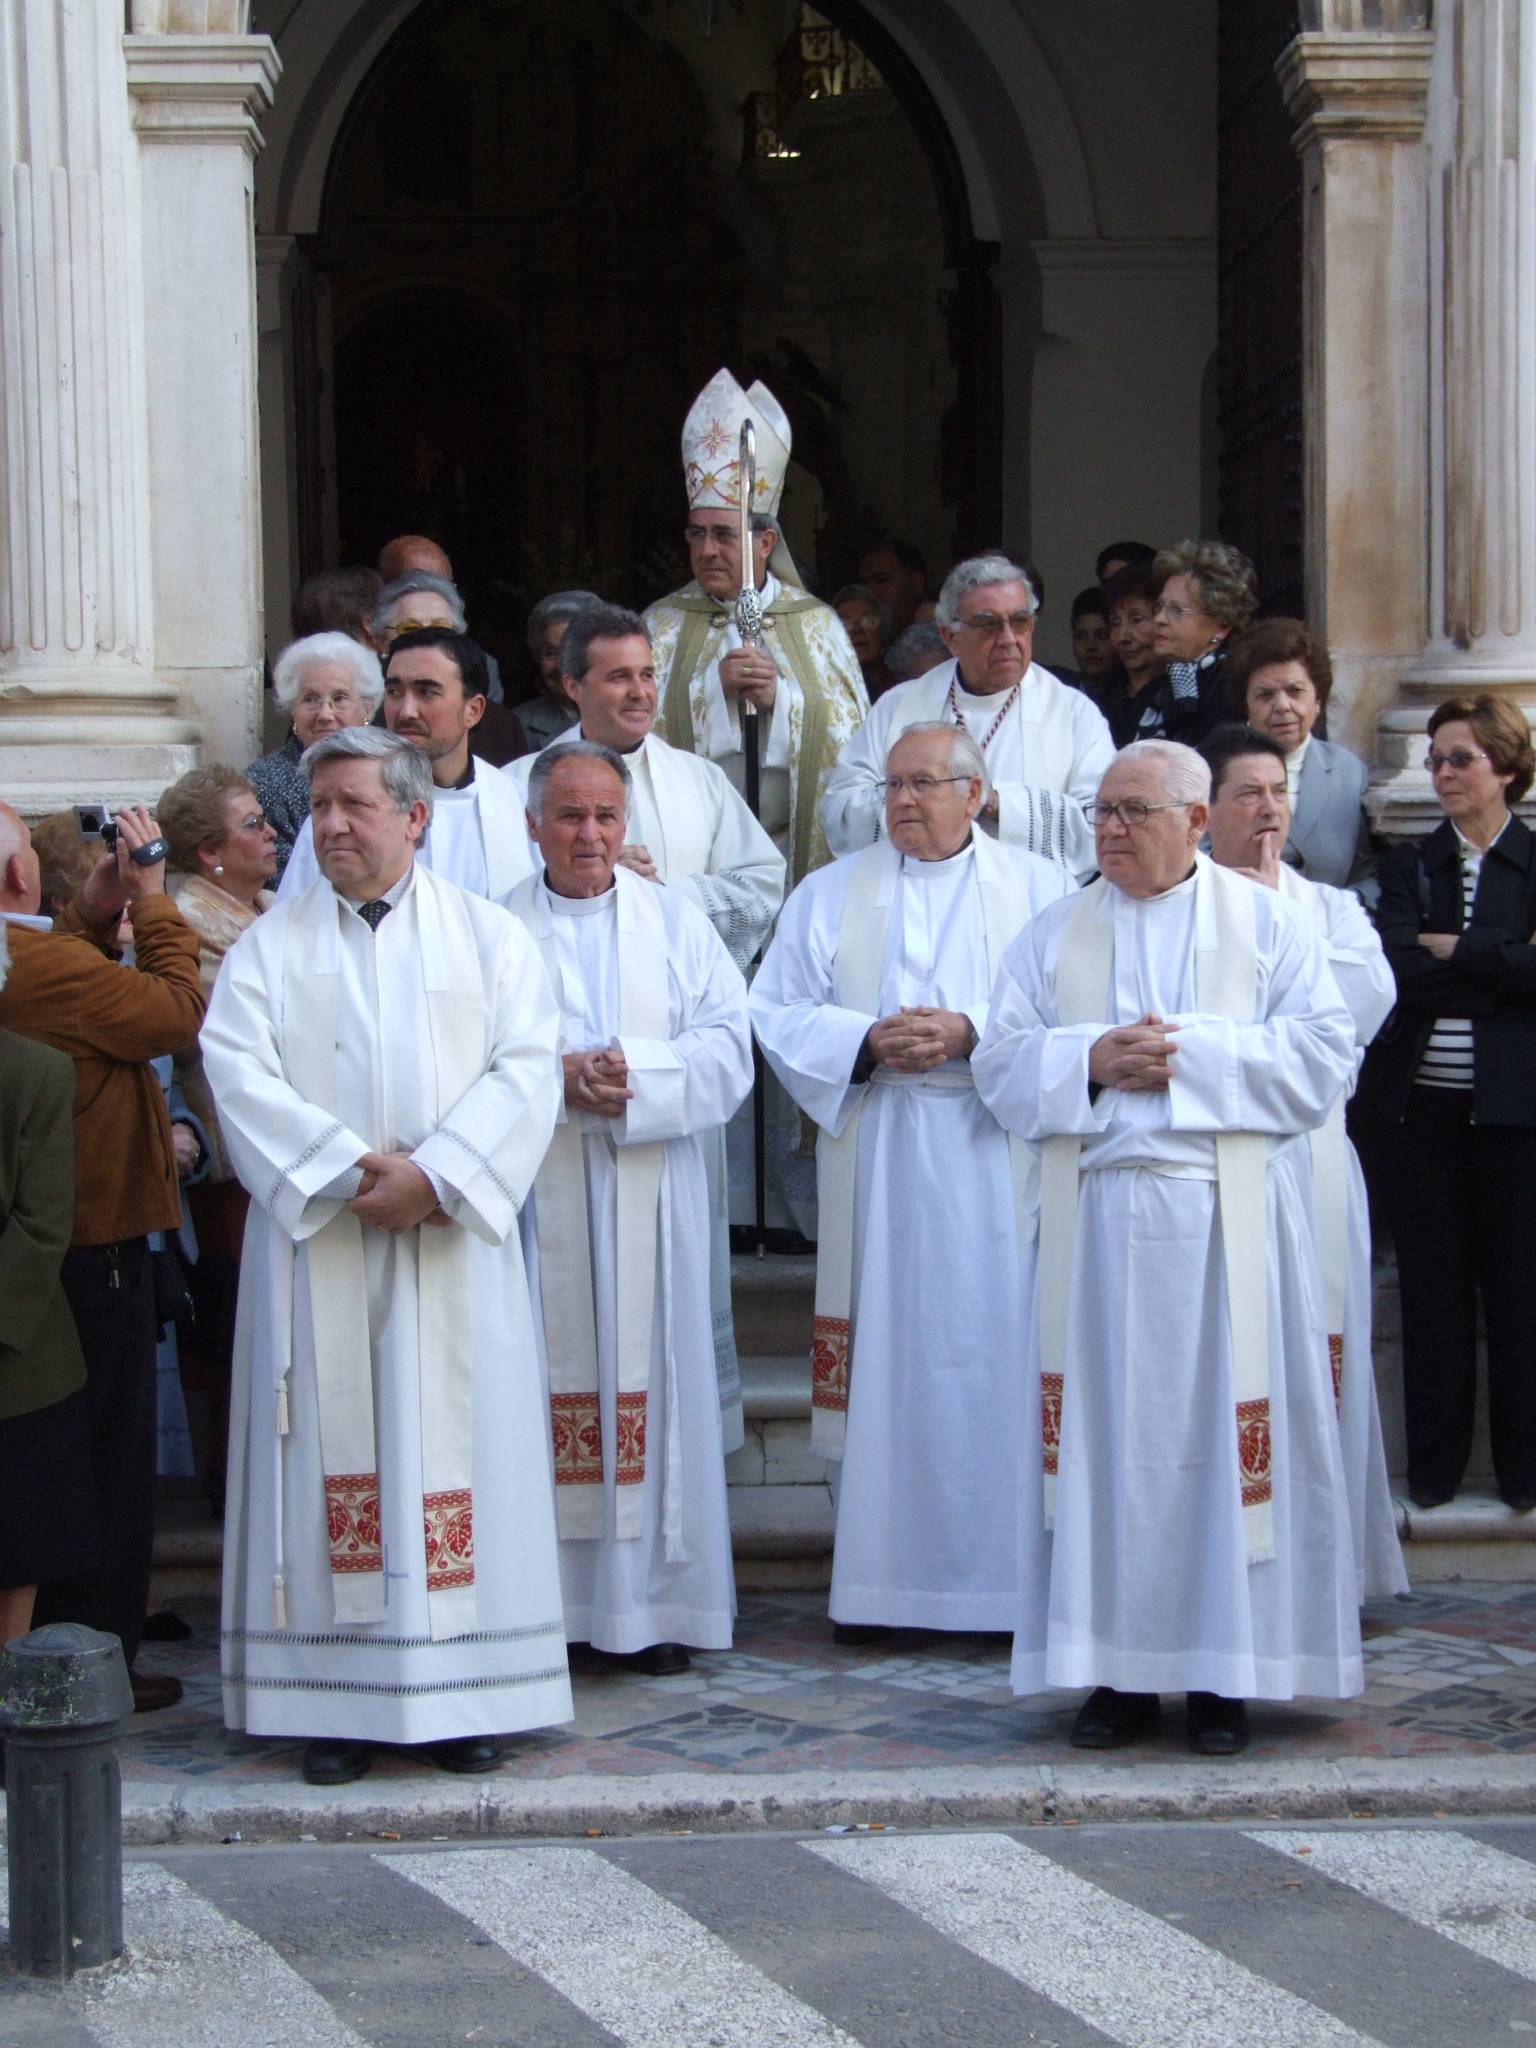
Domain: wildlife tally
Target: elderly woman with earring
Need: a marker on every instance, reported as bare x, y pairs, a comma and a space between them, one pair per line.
323, 683
1446, 1103
1207, 591
226, 849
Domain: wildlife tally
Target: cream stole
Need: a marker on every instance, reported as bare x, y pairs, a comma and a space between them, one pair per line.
687, 843
450, 968
565, 1246
857, 970
1226, 983
1046, 734
1330, 1166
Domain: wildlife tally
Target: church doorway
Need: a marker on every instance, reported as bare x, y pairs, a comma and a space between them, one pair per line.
547, 222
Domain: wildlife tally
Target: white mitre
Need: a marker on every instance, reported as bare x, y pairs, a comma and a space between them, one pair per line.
712, 452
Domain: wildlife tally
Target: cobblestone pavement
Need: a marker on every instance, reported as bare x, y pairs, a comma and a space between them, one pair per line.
1448, 1672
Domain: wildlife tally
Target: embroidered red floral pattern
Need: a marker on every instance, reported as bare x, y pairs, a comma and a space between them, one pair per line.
1336, 1360
1050, 1419
352, 1515
578, 1438
450, 1540
1253, 1451
829, 1363
631, 1447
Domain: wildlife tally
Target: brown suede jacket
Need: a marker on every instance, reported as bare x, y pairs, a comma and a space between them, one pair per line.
68, 989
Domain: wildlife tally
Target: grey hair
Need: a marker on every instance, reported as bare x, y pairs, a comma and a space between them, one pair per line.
766, 522
1222, 579
1186, 774
407, 586
406, 774
558, 609
860, 593
965, 757
913, 647
5, 955
360, 662
980, 572
549, 759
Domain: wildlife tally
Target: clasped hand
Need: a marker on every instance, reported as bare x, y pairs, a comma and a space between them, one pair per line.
595, 1081
394, 1194
749, 673
920, 1038
1135, 1058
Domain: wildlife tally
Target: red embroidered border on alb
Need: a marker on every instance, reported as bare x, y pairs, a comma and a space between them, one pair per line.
1050, 1419
1336, 1360
352, 1517
630, 1469
450, 1528
829, 1364
1253, 1451
578, 1439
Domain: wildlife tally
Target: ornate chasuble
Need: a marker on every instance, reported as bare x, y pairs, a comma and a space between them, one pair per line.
564, 1239
858, 969
1226, 980
338, 1294
824, 725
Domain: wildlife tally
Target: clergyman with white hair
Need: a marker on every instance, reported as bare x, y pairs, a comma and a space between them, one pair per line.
382, 1050
324, 682
656, 1054
868, 1006
1169, 1039
1045, 745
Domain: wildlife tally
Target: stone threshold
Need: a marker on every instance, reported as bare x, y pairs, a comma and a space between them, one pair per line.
158, 1813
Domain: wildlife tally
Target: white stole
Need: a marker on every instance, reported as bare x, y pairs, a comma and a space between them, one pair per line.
338, 1293
1047, 736
857, 971
1330, 1168
565, 1248
686, 840
1226, 983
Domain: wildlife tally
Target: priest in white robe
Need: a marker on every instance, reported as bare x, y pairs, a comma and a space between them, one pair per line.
656, 1053
868, 1004
382, 1053
1169, 1038
1045, 744
690, 831
436, 684
1250, 824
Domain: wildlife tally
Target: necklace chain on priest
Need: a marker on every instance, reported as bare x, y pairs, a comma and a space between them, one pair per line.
954, 707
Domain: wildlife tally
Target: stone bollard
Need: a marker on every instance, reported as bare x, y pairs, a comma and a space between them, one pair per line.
64, 1702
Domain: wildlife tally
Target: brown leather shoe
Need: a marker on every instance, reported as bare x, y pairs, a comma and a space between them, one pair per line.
152, 1691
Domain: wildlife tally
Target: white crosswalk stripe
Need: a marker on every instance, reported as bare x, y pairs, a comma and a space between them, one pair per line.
630, 1959
1474, 1895
193, 1978
1122, 1970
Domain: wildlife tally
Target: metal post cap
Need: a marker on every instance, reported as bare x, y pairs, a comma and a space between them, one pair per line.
63, 1676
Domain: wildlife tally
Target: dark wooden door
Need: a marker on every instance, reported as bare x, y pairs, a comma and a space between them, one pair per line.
1259, 305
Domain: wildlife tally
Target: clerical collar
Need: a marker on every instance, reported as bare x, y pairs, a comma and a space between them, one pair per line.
1167, 895
580, 906
623, 752
391, 896
935, 870
465, 781
768, 592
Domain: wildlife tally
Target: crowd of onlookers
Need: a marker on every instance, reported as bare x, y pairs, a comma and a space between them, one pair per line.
135, 1228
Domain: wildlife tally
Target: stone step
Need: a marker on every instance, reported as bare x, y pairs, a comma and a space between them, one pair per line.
1474, 1536
774, 1302
776, 1389
781, 1536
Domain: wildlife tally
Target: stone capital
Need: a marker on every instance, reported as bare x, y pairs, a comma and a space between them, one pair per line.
1361, 84
201, 88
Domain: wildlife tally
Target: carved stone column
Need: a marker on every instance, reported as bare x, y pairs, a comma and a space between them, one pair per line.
82, 711
1481, 344
195, 99
1358, 97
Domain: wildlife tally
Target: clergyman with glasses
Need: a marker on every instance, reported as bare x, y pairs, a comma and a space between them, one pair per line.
803, 684
867, 1006
1045, 744
1169, 1039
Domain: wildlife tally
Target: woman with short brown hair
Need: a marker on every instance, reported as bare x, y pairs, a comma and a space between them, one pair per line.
1447, 1101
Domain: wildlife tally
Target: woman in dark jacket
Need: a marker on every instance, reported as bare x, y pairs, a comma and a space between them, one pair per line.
1207, 592
1447, 1102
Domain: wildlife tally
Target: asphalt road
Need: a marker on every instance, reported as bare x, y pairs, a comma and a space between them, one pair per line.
1184, 1936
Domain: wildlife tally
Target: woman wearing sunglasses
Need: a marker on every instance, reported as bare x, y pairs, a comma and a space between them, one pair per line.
1447, 1102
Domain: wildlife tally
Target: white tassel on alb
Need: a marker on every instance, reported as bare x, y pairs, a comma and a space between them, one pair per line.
282, 1407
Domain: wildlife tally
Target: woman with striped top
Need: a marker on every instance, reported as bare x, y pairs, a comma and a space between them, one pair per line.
1446, 1106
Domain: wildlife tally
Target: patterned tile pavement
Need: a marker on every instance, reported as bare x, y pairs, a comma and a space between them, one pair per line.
1450, 1670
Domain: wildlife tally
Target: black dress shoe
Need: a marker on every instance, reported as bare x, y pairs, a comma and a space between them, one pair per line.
661, 1660
165, 1627
470, 1757
1521, 1499
153, 1690
1431, 1496
1109, 1720
1217, 1726
852, 1633
336, 1763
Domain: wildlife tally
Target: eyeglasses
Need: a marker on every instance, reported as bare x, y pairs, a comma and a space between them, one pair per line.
399, 626
921, 786
1131, 812
989, 625
256, 823
722, 536
1171, 611
1459, 758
